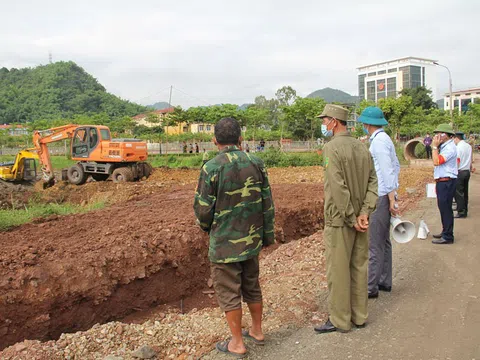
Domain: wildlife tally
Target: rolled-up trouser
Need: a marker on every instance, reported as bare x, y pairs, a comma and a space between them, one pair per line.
346, 252
380, 247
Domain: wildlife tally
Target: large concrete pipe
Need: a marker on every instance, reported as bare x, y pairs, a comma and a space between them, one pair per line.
409, 150
409, 153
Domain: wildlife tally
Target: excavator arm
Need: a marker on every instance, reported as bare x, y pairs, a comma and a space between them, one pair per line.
41, 138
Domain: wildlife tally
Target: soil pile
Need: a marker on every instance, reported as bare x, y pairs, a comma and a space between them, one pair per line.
64, 274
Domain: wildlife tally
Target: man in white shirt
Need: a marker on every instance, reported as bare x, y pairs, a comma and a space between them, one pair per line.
387, 168
464, 161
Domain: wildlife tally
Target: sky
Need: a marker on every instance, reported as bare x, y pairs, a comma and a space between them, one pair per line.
219, 51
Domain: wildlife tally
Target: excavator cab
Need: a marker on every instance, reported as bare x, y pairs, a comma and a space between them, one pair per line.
29, 169
86, 139
23, 168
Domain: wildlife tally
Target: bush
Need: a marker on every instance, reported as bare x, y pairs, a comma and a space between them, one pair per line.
420, 151
274, 157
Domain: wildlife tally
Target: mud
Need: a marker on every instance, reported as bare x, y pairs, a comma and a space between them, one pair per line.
64, 274
14, 196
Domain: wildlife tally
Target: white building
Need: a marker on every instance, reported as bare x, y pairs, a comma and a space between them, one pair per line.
462, 97
387, 79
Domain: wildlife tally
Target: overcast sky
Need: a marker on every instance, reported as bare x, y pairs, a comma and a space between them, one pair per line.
220, 51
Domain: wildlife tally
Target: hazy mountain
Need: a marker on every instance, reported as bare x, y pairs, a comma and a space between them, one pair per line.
160, 105
333, 95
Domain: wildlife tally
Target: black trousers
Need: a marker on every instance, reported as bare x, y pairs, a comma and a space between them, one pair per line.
445, 193
461, 193
428, 148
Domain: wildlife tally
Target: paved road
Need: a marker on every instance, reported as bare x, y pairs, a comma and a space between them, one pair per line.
433, 311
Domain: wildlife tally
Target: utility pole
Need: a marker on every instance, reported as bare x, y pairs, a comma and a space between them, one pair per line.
451, 92
166, 127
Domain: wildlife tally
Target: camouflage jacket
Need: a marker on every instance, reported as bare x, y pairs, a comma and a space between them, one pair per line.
233, 203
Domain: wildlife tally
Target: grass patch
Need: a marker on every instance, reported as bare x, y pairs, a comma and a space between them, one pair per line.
16, 217
271, 157
58, 162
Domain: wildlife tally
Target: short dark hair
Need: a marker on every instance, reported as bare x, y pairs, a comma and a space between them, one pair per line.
227, 131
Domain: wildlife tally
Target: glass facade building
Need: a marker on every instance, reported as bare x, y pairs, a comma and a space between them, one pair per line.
388, 79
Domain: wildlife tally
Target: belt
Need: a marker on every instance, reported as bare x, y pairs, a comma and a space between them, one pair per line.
443, 179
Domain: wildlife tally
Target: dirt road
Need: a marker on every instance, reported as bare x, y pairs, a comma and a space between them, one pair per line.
433, 311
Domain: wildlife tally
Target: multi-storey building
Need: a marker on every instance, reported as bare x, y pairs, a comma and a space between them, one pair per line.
387, 79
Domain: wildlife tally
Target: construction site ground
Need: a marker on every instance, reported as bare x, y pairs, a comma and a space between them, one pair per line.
136, 272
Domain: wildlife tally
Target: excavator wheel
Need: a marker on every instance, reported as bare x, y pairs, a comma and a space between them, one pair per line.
147, 170
76, 175
100, 177
122, 174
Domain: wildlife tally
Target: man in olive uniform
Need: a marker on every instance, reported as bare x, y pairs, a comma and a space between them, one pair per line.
233, 203
350, 196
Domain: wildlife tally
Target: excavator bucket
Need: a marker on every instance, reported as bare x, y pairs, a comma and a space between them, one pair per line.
48, 183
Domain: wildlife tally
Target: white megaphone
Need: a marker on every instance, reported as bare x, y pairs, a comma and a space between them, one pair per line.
402, 231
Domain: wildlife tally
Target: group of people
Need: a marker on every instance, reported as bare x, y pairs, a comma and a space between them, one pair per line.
190, 148
233, 204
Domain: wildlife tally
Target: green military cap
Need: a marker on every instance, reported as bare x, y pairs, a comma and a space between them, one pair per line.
444, 128
334, 111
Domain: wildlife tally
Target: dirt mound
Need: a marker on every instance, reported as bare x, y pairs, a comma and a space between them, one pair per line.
65, 274
14, 196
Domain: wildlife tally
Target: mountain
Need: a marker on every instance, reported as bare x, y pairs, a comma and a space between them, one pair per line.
62, 90
333, 95
160, 105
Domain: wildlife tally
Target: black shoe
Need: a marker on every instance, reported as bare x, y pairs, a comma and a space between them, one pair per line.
385, 288
438, 236
327, 328
360, 326
373, 295
460, 216
442, 241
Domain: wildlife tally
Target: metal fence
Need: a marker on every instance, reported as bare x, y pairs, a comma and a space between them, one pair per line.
177, 147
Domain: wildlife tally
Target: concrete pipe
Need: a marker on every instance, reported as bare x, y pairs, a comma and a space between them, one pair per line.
409, 154
409, 149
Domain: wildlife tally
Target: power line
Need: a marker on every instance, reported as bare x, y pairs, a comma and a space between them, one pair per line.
193, 97
146, 97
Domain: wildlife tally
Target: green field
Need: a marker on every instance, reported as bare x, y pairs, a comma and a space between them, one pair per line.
271, 157
58, 162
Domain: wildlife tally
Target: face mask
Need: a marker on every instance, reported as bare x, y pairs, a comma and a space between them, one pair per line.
325, 131
365, 130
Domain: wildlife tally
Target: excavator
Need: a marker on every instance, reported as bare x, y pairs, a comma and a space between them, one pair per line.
96, 153
22, 169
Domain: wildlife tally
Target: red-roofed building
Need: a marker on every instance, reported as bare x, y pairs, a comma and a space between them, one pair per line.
15, 130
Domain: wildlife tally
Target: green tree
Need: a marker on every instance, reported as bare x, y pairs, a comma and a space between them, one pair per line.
395, 110
301, 117
421, 97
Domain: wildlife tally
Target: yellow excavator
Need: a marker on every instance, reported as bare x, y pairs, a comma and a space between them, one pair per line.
23, 168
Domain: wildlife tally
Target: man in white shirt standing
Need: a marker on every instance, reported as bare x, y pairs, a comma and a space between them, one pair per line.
464, 160
387, 168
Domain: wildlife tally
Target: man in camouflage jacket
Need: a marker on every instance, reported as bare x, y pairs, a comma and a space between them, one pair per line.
233, 203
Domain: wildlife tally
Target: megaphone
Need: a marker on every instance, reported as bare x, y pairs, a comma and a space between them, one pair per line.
423, 230
402, 231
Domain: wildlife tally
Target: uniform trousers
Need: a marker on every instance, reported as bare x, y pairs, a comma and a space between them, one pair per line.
346, 253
